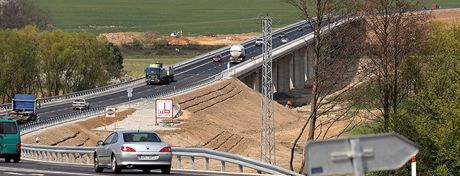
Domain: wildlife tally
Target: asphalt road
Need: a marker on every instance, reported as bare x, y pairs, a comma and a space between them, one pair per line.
32, 168
185, 76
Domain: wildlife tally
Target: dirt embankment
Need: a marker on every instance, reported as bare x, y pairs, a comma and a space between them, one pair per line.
151, 37
451, 16
80, 133
225, 116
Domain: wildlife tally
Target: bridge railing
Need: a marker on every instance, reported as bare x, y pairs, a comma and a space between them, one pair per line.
279, 52
227, 48
85, 155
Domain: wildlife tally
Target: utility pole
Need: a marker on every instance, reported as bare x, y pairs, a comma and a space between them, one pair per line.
267, 132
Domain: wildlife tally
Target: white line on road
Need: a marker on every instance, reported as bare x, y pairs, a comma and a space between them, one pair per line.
11, 170
14, 173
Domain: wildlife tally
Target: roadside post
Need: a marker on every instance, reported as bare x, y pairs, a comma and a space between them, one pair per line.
163, 109
357, 155
110, 112
130, 93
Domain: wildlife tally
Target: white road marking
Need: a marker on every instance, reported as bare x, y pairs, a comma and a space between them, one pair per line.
14, 173
12, 170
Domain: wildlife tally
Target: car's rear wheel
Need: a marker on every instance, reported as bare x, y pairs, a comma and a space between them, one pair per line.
146, 171
115, 167
7, 160
97, 167
166, 170
17, 158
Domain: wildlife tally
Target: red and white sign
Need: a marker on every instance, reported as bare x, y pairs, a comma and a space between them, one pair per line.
164, 108
110, 112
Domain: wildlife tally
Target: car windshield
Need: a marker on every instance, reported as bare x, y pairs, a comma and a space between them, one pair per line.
141, 137
8, 128
79, 100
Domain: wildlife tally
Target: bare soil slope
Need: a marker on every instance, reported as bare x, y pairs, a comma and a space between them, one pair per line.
451, 16
151, 37
75, 134
225, 116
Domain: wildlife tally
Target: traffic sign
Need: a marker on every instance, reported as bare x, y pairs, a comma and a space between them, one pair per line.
358, 154
110, 112
164, 108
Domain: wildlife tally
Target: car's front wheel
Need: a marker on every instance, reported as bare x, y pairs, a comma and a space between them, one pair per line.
115, 167
97, 167
166, 170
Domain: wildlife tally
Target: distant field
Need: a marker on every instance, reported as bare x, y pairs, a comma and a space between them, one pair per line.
165, 16
135, 66
442, 3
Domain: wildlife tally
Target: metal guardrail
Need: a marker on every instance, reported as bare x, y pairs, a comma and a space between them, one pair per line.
41, 124
84, 155
7, 106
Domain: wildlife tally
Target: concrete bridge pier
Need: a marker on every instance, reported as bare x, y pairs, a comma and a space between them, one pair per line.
292, 76
309, 59
253, 80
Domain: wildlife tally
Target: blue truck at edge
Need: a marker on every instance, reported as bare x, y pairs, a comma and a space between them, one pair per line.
24, 108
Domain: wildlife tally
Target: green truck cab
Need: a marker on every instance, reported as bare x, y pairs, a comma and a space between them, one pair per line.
10, 141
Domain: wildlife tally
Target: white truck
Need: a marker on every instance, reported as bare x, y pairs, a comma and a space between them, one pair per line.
80, 104
237, 54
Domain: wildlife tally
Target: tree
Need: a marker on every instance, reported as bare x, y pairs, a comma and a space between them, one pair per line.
18, 62
54, 62
19, 13
336, 55
431, 117
395, 32
114, 62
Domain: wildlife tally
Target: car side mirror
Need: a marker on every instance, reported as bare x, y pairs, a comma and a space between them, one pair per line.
99, 143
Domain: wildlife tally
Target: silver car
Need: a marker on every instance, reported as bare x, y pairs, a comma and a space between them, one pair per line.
133, 150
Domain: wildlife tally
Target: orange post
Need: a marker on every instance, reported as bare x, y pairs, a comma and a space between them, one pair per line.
289, 103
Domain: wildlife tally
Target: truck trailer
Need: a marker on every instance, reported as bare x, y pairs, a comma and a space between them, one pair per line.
24, 108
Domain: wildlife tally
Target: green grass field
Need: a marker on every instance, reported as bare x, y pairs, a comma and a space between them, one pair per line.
442, 3
165, 16
134, 67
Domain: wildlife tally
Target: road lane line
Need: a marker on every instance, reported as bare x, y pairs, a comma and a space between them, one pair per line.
15, 173
12, 169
